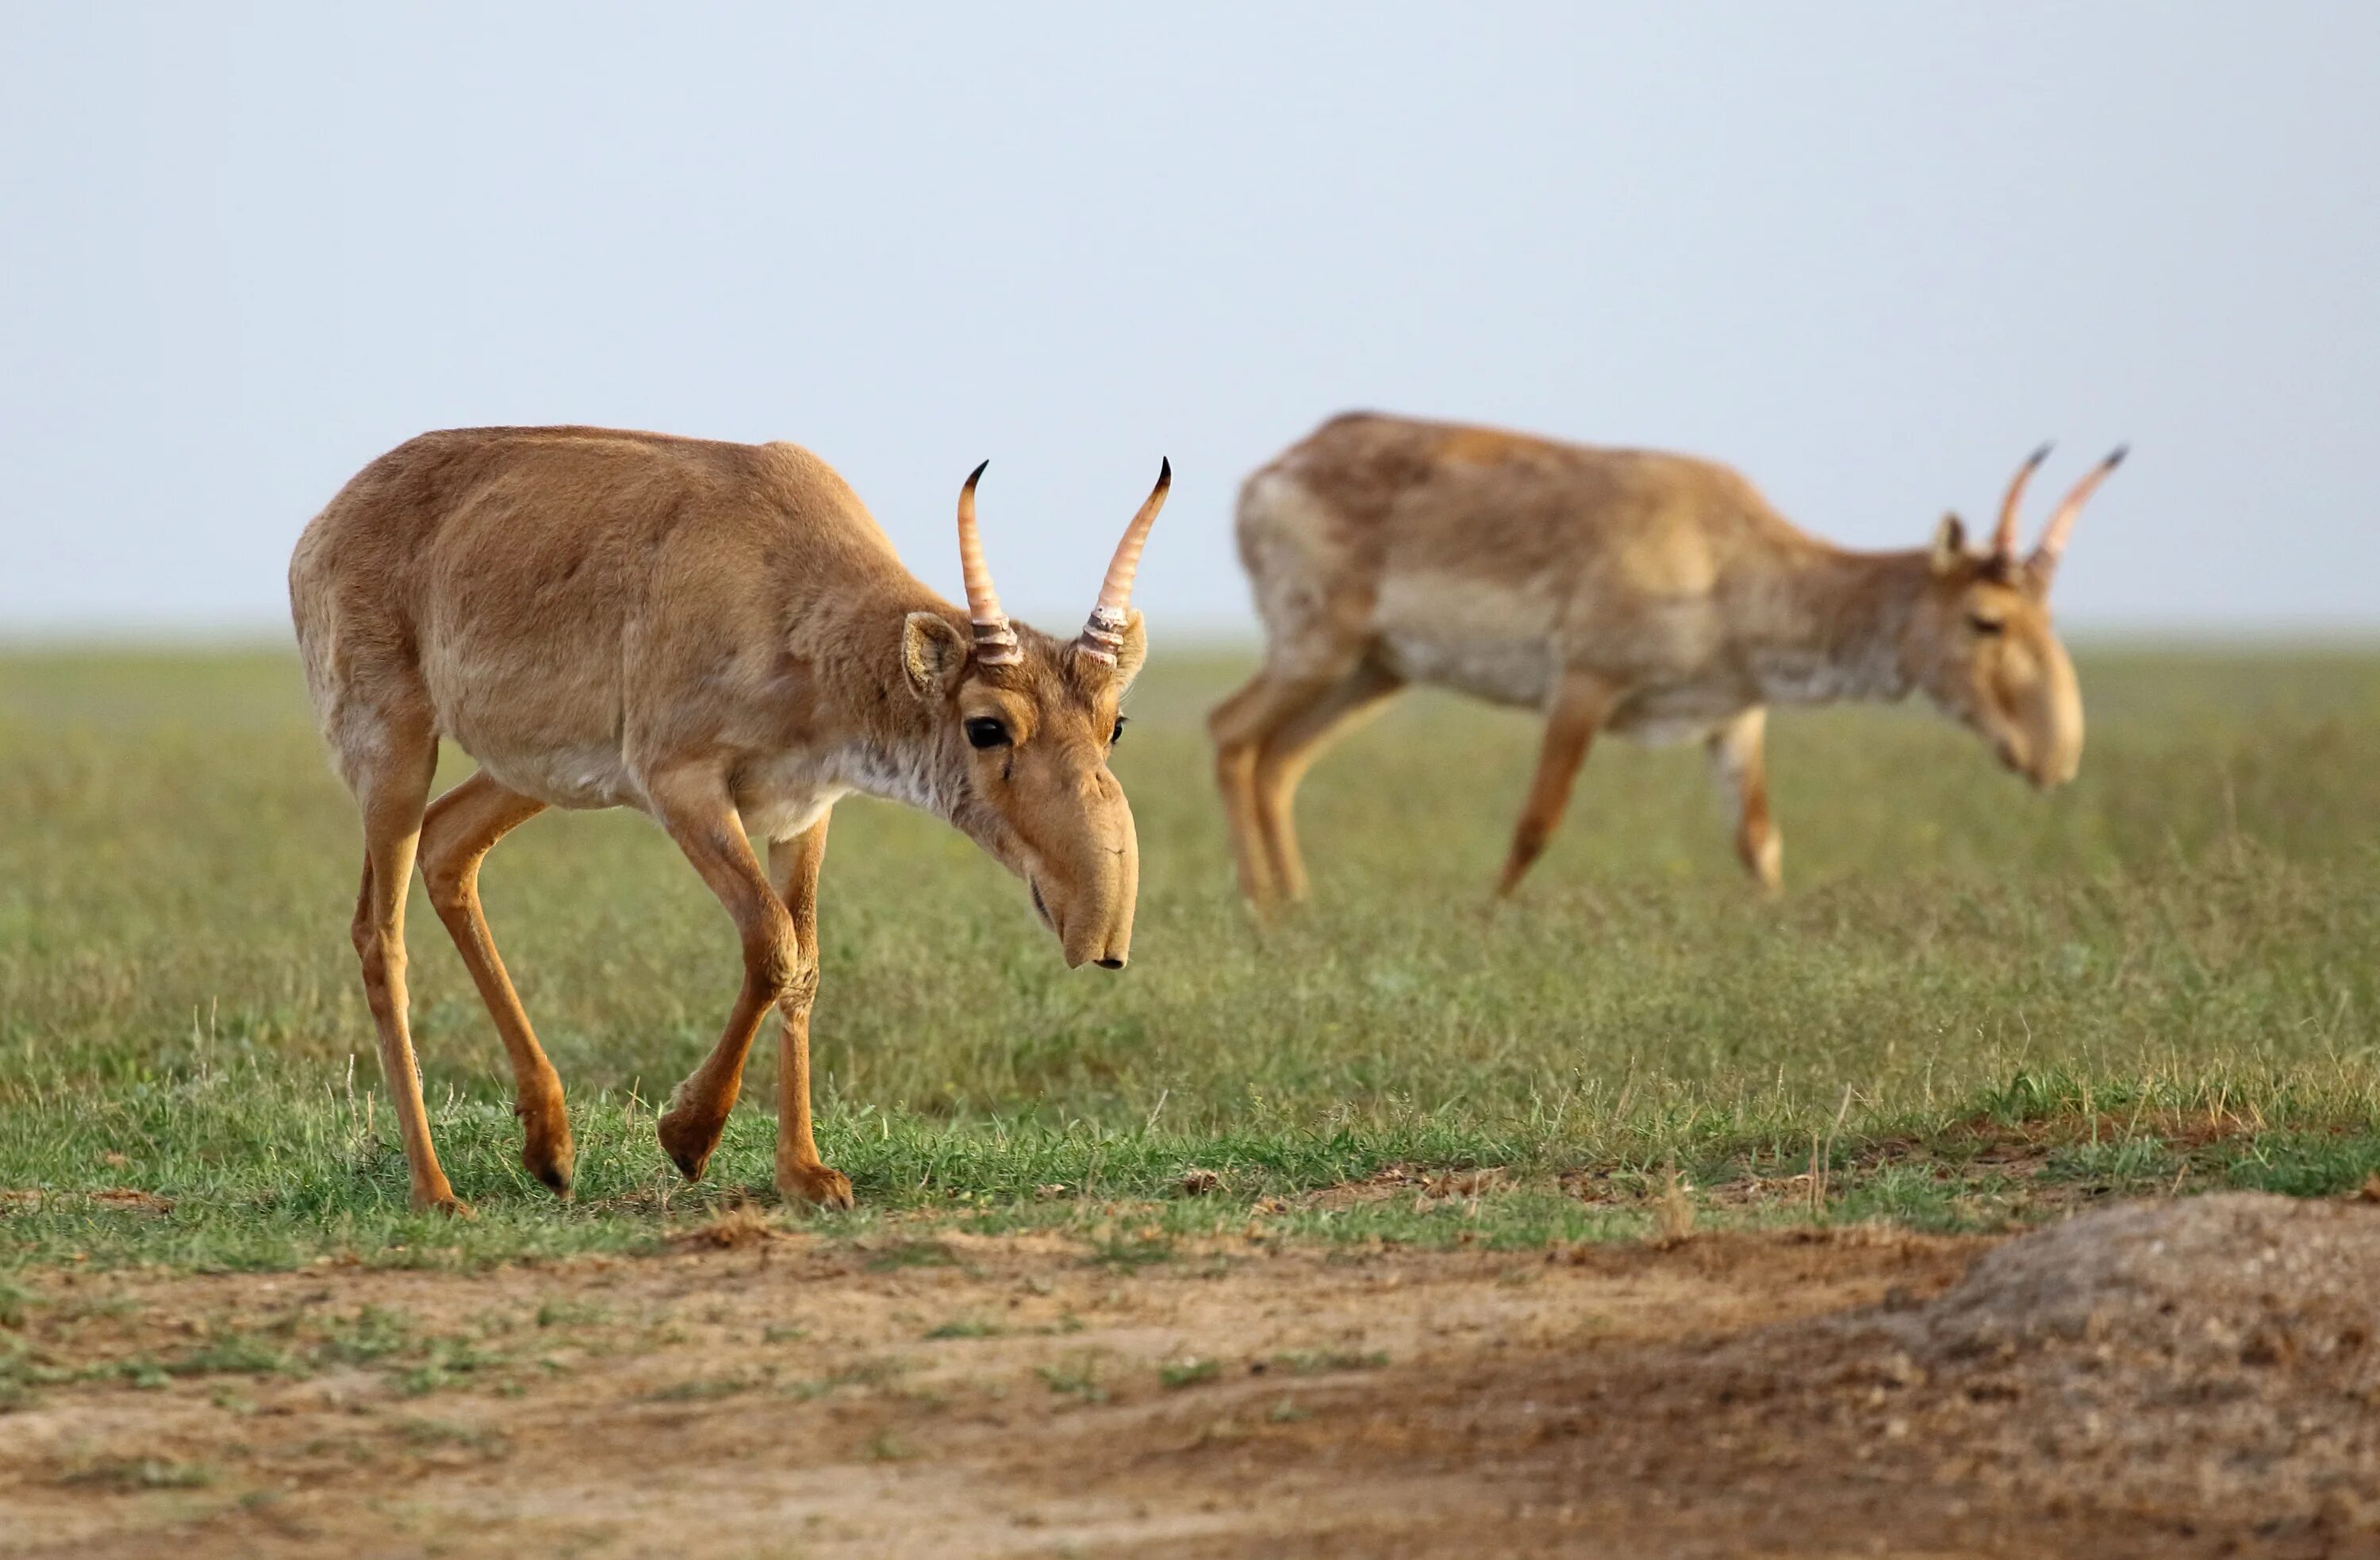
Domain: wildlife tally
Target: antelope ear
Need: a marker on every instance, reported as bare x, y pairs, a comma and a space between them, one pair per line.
1950, 545
1133, 653
933, 655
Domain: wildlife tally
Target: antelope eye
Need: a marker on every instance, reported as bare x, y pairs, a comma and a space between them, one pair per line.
1988, 627
1117, 735
984, 731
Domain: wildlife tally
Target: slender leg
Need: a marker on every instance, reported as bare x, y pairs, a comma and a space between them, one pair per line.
793, 863
1240, 726
1739, 759
1582, 703
694, 806
1290, 750
461, 828
1236, 742
390, 773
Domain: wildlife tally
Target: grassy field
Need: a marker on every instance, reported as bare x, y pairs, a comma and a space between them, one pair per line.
1973, 1006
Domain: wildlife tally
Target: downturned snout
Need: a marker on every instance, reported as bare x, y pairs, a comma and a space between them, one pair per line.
2056, 768
2042, 738
1086, 896
2057, 728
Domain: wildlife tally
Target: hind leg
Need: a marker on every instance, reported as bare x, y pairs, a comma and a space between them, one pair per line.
461, 828
1290, 750
1240, 726
387, 758
1235, 725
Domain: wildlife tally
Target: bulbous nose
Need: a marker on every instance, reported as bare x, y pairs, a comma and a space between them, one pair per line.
1092, 880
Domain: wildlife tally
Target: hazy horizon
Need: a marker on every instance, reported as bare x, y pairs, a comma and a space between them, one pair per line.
1870, 255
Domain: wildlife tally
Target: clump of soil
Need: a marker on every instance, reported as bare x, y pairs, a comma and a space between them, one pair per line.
732, 1227
2219, 1352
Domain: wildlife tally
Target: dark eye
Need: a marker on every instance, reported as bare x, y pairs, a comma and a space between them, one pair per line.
1988, 627
1117, 735
984, 731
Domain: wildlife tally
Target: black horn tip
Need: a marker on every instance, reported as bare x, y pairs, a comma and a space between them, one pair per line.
975, 475
2037, 456
1164, 471
2117, 458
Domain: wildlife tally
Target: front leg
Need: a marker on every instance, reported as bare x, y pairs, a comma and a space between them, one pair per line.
696, 808
1582, 703
801, 1175
1739, 759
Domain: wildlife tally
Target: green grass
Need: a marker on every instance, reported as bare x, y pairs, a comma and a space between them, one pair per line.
1975, 1004
297, 1346
1173, 1375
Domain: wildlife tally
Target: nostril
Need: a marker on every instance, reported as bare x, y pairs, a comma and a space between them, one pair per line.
1108, 963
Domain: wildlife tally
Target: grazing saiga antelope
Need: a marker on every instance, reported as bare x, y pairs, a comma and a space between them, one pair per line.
1619, 591
719, 635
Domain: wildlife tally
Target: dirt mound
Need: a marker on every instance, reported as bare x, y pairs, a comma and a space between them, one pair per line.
2199, 1377
2209, 1283
2217, 1353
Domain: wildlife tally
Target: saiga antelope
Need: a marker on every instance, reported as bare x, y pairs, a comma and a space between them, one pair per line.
1618, 590
719, 635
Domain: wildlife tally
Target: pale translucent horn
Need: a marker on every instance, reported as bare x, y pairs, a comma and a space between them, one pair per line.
2004, 537
1103, 636
995, 641
2052, 545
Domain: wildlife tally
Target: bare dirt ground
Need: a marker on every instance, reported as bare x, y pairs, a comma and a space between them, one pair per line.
2199, 1378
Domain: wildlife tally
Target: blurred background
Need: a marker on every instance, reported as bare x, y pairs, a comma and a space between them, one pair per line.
1869, 254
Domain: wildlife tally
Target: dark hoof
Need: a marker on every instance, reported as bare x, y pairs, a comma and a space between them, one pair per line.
689, 1143
554, 1175
545, 1146
691, 1139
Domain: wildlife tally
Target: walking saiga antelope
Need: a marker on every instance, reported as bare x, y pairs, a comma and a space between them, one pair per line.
719, 635
1616, 591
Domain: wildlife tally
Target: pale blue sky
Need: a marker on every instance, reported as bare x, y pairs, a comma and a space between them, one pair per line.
1868, 254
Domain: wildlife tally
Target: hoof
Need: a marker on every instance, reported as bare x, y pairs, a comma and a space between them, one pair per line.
545, 1143
817, 1185
554, 1170
689, 1143
443, 1202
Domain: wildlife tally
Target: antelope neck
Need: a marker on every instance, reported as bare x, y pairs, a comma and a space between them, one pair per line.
889, 744
1839, 628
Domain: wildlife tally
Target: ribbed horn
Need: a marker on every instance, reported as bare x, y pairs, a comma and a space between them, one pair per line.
1103, 635
995, 641
2004, 537
2052, 545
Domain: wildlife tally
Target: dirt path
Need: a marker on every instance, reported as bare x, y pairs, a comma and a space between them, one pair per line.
1030, 1397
